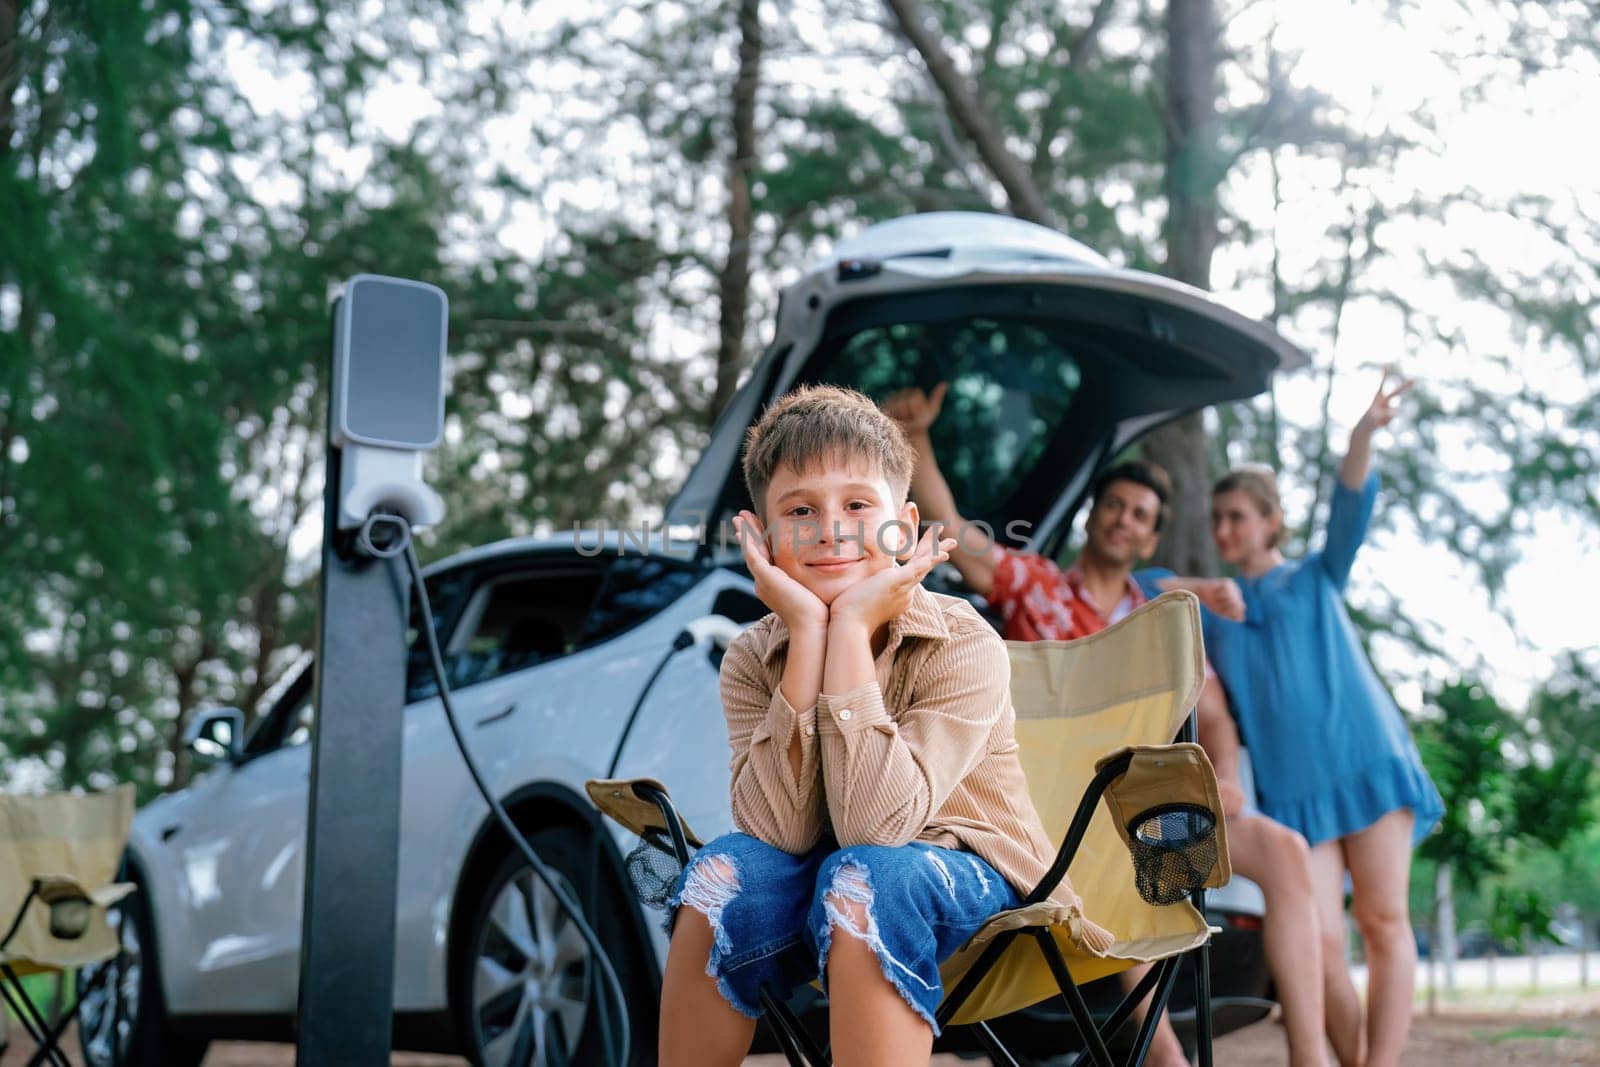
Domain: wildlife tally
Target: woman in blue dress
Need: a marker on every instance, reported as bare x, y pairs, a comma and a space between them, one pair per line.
1331, 753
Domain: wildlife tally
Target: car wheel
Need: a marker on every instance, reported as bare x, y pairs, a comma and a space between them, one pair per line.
122, 1018
527, 987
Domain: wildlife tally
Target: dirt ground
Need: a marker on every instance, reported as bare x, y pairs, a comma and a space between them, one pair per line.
1456, 1040
1553, 1031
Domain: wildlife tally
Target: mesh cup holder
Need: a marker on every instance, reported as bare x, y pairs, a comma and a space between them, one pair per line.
1174, 848
653, 869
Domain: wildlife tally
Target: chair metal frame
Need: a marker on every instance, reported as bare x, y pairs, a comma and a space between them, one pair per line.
47, 1035
60, 855
801, 1049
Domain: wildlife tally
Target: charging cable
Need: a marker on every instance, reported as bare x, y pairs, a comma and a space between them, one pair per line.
718, 630
385, 536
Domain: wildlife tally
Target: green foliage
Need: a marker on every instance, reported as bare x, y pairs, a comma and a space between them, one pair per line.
164, 309
1512, 802
1519, 913
1465, 751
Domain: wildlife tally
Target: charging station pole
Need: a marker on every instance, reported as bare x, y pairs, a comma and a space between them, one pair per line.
386, 408
352, 842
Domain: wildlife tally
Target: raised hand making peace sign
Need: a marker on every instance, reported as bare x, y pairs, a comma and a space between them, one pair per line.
1381, 412
1382, 409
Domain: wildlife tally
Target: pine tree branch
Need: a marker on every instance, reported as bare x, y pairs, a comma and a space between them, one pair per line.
1087, 44
969, 114
1071, 53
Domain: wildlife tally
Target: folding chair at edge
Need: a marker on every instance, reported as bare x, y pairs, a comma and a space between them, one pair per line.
59, 855
1095, 718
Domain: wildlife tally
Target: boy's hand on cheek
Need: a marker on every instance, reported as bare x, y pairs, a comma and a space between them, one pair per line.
796, 605
887, 594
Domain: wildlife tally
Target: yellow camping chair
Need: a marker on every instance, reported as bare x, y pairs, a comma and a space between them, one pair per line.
1094, 718
59, 855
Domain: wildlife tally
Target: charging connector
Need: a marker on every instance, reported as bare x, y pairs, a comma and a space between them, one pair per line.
383, 536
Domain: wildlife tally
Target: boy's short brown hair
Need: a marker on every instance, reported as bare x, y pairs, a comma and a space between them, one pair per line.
820, 422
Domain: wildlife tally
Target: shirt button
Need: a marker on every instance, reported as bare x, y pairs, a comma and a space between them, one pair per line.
810, 729
844, 714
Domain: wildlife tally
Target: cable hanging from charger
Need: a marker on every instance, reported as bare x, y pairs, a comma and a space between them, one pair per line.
376, 540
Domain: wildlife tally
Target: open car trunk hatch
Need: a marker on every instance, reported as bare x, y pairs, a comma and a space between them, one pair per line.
1053, 365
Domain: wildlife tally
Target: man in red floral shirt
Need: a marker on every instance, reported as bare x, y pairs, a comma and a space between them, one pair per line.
1038, 600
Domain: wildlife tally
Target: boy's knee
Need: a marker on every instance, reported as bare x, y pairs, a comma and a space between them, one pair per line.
710, 885
849, 913
692, 928
846, 887
847, 899
890, 870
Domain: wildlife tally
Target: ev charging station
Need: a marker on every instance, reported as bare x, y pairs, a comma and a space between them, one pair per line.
386, 409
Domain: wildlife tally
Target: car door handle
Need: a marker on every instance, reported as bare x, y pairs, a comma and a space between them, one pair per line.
503, 713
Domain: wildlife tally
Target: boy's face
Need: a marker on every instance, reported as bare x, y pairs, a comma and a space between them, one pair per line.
835, 524
1121, 529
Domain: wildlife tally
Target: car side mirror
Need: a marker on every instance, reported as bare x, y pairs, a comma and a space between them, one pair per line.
216, 735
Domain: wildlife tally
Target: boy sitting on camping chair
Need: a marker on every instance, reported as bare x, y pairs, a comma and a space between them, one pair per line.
886, 822
881, 808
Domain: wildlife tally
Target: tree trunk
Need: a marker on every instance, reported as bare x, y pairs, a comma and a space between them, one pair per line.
10, 66
1433, 964
733, 284
188, 677
966, 108
1191, 238
10, 74
266, 621
1584, 923
1444, 935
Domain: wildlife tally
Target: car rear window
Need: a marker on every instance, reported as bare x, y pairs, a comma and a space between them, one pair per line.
1011, 384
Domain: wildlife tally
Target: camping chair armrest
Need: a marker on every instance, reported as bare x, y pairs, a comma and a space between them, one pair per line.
70, 905
1169, 792
643, 806
1160, 774
1109, 771
677, 830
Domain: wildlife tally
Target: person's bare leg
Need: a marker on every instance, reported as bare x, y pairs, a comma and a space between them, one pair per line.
1165, 1048
869, 1022
697, 1025
1341, 1005
1278, 860
1380, 875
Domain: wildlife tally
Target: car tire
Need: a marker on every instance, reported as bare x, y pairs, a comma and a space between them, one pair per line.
122, 997
525, 992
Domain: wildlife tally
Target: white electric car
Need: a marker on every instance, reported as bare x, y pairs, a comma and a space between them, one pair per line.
1056, 362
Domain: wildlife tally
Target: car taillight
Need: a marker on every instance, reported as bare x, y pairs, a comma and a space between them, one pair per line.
1243, 922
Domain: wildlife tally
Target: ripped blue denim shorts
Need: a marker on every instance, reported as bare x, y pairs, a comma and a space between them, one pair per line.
774, 914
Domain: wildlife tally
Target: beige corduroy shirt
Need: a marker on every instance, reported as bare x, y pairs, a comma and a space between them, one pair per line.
927, 752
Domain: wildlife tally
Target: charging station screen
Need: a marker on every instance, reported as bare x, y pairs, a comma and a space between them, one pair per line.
394, 355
